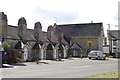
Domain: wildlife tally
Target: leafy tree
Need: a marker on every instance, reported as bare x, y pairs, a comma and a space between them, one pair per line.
6, 46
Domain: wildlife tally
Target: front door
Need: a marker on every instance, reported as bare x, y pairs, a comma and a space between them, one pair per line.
25, 54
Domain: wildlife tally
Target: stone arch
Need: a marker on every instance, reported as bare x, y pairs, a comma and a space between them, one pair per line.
36, 51
50, 52
23, 49
75, 50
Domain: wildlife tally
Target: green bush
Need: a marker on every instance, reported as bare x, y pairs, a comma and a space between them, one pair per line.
6, 46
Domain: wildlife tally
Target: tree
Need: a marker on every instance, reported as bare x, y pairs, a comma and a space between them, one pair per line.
6, 46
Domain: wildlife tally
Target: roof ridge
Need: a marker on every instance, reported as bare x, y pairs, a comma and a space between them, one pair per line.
80, 24
13, 26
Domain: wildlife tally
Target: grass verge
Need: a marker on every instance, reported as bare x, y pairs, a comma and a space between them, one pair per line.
106, 75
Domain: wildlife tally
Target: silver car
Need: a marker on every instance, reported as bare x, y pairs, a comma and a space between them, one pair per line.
96, 55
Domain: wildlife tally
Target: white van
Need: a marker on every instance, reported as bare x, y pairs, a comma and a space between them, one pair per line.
96, 55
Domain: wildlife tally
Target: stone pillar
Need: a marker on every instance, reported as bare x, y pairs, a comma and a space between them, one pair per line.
42, 54
3, 25
65, 53
55, 54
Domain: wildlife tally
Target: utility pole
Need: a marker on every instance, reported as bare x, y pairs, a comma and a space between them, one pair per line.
110, 40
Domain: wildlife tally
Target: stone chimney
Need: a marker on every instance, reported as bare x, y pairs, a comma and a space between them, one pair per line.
50, 33
60, 35
22, 28
3, 25
37, 31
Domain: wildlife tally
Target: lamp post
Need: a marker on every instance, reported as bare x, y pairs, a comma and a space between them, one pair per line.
110, 40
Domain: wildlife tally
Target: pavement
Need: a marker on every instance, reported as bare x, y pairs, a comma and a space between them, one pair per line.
67, 68
43, 62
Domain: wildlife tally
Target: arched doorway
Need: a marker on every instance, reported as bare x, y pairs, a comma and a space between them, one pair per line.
20, 46
50, 52
25, 54
75, 50
36, 52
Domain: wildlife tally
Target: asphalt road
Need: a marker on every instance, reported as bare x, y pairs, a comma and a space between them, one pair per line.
70, 68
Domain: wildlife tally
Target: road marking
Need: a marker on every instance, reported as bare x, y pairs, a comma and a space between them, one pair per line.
82, 67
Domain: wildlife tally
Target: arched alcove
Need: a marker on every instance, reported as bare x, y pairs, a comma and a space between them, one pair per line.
50, 52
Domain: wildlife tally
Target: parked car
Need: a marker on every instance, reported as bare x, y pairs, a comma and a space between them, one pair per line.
96, 54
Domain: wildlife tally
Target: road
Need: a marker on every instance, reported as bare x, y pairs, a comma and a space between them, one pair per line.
69, 68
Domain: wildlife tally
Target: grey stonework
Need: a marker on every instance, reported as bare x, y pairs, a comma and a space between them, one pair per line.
22, 28
54, 44
38, 31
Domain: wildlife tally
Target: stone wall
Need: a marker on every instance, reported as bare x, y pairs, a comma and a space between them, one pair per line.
83, 42
3, 25
22, 28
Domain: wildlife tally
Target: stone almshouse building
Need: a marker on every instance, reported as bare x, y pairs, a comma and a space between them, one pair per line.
60, 41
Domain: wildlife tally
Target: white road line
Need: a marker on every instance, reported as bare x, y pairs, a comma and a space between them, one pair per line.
82, 67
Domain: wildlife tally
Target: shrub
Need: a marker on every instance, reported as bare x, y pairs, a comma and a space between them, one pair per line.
6, 46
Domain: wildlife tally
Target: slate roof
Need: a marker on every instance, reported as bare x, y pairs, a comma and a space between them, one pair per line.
12, 42
30, 44
13, 32
76, 30
45, 40
115, 34
30, 34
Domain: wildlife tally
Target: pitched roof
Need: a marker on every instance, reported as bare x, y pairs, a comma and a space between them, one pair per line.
12, 42
13, 32
44, 38
76, 30
31, 44
75, 46
30, 34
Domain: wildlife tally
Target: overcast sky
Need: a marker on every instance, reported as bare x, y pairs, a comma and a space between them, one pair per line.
61, 11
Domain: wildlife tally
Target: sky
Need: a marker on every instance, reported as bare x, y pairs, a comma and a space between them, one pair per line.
49, 12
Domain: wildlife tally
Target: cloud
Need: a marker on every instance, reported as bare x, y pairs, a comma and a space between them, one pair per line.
61, 16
